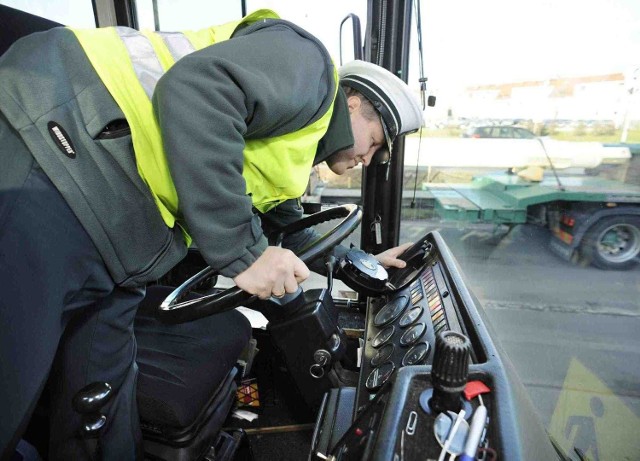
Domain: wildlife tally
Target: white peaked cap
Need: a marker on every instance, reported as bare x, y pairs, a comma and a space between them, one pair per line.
398, 106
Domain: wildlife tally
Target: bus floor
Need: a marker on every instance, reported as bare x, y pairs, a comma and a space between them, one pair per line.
284, 427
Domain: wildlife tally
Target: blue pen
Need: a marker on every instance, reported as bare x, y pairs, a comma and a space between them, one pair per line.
475, 432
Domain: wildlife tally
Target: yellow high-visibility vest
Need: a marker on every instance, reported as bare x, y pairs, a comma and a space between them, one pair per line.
130, 63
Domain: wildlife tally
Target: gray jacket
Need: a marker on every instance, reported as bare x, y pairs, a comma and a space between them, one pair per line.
271, 78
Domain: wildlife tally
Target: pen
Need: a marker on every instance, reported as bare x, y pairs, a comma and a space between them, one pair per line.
475, 432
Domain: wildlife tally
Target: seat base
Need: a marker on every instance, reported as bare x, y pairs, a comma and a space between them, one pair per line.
186, 380
233, 445
193, 443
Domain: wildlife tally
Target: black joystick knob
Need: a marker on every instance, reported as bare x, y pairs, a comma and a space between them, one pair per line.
450, 371
88, 402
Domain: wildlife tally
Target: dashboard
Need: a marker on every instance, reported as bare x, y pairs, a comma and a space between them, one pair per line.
396, 412
401, 328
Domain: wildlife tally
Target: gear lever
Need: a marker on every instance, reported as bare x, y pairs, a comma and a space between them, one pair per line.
450, 371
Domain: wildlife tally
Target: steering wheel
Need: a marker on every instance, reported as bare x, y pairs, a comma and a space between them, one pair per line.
172, 310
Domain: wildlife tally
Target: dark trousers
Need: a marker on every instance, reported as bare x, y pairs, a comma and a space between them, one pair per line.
61, 313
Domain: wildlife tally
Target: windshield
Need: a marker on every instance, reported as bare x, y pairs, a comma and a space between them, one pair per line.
530, 98
564, 72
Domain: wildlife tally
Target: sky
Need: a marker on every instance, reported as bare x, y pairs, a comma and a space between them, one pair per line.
466, 42
511, 40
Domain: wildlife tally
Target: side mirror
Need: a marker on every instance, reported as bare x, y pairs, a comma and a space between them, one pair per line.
356, 38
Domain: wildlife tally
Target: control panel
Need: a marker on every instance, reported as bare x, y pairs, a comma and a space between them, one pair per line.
399, 424
402, 326
433, 384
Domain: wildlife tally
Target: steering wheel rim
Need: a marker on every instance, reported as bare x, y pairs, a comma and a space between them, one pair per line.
172, 310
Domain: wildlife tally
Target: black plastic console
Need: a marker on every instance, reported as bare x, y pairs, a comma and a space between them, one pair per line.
393, 418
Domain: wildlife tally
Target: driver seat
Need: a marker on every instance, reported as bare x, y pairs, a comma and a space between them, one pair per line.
186, 379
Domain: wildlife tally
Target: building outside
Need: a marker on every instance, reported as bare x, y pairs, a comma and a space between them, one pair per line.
596, 99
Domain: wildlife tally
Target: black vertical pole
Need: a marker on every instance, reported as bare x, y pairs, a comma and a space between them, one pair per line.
386, 44
156, 16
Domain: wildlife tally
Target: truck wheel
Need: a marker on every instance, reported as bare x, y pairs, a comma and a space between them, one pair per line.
613, 243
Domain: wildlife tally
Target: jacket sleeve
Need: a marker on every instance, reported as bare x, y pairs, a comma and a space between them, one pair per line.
267, 82
289, 212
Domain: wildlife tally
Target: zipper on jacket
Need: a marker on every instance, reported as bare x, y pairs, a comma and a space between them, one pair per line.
115, 129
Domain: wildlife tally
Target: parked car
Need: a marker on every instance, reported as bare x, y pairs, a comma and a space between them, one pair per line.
498, 131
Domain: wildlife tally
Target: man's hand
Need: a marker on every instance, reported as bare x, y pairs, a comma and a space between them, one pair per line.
389, 258
276, 272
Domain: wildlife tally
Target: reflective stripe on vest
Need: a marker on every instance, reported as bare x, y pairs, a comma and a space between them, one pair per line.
177, 44
159, 44
146, 64
151, 54
107, 53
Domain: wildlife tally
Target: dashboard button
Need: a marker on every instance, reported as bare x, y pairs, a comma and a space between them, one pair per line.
411, 316
416, 355
382, 355
383, 336
391, 311
413, 334
379, 376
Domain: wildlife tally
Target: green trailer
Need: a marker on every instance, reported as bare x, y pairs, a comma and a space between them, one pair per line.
592, 220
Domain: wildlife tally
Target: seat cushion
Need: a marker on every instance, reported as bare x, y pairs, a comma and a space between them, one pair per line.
182, 366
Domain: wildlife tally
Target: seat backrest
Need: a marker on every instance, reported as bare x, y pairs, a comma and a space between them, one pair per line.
15, 24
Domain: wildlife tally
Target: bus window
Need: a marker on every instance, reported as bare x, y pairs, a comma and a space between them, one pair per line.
191, 14
76, 13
